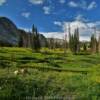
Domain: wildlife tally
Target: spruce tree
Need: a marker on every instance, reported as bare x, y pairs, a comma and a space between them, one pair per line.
35, 39
99, 44
93, 44
84, 46
74, 42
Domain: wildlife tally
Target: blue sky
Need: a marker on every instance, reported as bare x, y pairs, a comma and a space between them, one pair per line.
51, 17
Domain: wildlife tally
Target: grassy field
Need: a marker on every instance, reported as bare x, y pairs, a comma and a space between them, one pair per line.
51, 74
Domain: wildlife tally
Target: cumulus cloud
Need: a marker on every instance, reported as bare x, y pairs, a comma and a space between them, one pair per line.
58, 23
62, 1
25, 29
26, 14
95, 24
47, 9
86, 29
36, 1
74, 25
80, 17
58, 35
73, 4
92, 5
83, 5
2, 2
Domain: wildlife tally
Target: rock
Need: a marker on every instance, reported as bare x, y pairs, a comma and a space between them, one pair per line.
9, 33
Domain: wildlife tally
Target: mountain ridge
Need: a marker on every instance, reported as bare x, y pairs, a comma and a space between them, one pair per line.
8, 31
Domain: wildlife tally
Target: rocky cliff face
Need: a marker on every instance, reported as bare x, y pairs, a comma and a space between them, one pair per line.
9, 33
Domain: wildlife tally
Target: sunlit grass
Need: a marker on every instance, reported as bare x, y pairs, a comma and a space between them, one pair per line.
50, 73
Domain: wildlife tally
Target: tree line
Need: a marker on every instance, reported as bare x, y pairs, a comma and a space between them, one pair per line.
75, 45
33, 39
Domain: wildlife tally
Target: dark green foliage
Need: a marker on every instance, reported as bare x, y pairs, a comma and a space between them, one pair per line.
84, 47
74, 43
20, 42
71, 42
98, 45
36, 40
93, 44
5, 63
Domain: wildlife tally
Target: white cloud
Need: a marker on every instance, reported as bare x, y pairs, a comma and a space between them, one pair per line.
62, 1
58, 23
36, 1
95, 24
92, 5
80, 17
58, 35
83, 5
25, 29
85, 29
2, 2
26, 14
73, 4
74, 25
46, 9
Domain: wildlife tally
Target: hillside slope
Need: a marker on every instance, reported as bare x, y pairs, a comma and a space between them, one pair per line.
8, 32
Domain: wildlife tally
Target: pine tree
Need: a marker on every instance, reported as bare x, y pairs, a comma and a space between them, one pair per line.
93, 44
74, 42
77, 40
84, 46
99, 44
20, 44
71, 42
35, 39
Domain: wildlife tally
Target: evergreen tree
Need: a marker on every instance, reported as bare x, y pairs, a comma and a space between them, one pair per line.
93, 44
99, 44
76, 38
35, 39
84, 46
71, 42
20, 44
74, 42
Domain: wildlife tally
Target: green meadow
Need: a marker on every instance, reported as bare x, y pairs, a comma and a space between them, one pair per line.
51, 75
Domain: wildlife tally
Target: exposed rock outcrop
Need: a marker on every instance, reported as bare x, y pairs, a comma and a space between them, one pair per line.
9, 33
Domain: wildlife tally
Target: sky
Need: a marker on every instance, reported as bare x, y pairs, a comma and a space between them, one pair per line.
52, 17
